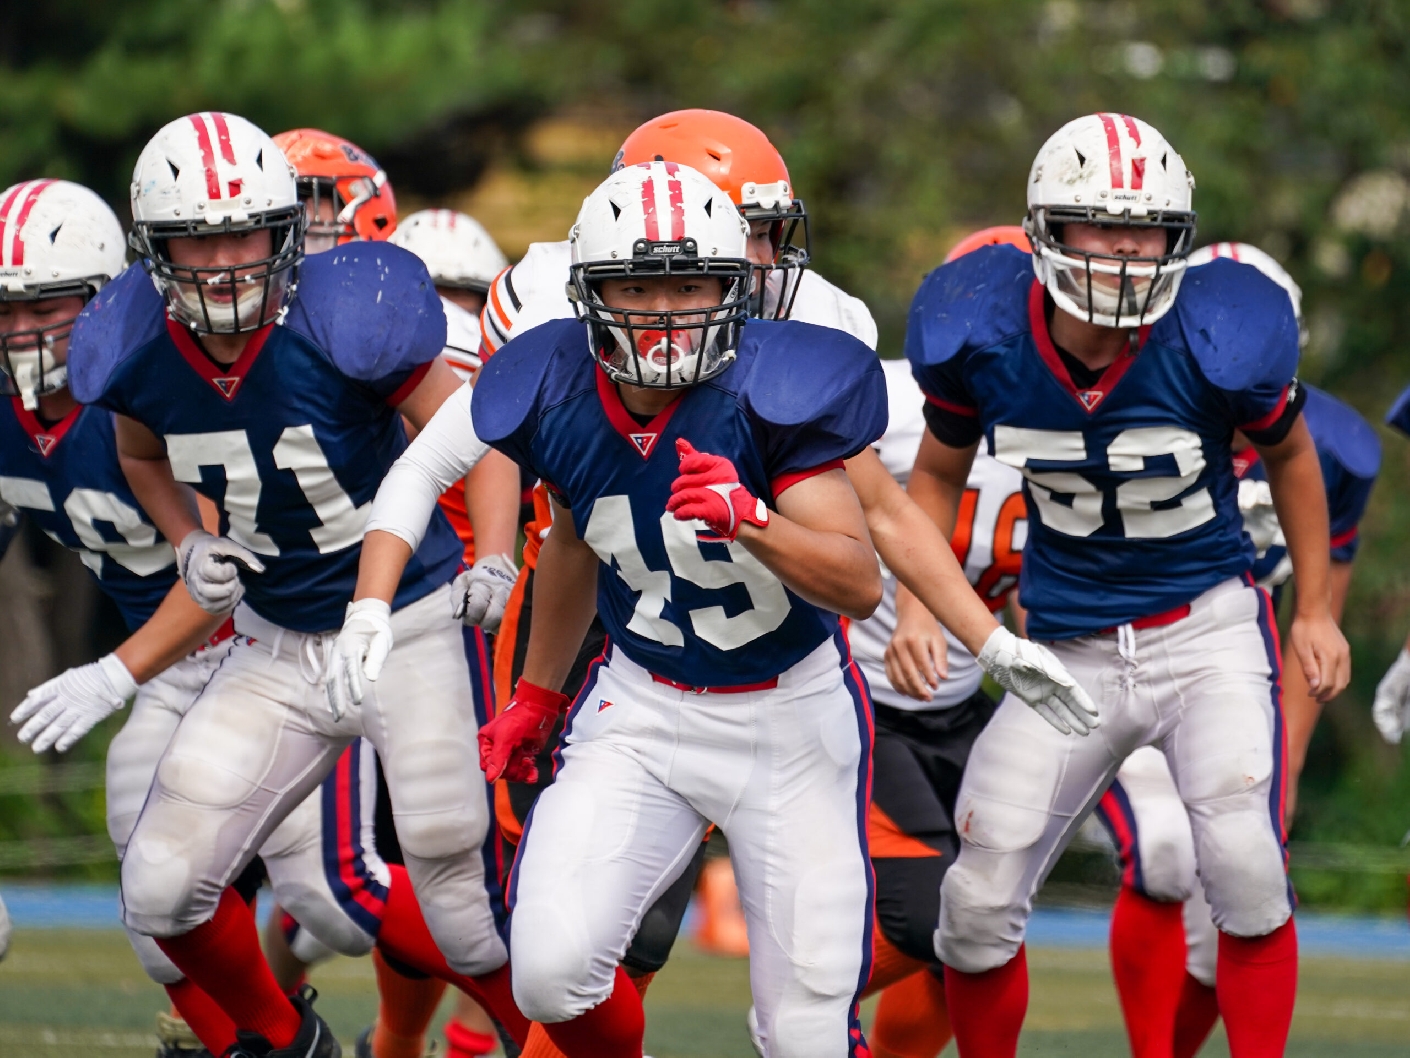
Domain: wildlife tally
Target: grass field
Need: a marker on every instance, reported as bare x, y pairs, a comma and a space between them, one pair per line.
80, 994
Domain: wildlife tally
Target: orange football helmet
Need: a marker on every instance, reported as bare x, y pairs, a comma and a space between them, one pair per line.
331, 169
1012, 234
739, 159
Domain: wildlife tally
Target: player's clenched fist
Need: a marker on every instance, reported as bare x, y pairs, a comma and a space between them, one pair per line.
708, 488
210, 565
510, 742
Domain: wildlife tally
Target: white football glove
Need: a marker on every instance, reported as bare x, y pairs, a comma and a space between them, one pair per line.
1390, 709
481, 593
210, 566
1031, 671
360, 651
62, 710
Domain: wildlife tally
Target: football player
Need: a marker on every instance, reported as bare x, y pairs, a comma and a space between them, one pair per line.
58, 463
282, 401
1163, 941
665, 356
929, 709
1115, 388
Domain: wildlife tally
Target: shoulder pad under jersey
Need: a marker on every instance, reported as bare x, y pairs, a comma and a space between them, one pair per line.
126, 314
462, 349
819, 379
974, 302
828, 305
1340, 430
1399, 414
371, 308
1238, 324
533, 372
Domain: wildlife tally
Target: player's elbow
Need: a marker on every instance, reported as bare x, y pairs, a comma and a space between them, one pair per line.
864, 594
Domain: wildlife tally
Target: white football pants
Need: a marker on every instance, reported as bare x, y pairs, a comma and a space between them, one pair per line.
1204, 691
1147, 820
643, 769
261, 738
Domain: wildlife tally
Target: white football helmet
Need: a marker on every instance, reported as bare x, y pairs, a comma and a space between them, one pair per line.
1252, 255
1110, 170
207, 174
57, 240
454, 246
660, 219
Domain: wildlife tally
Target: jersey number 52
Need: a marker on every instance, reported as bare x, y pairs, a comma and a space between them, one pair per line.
1135, 500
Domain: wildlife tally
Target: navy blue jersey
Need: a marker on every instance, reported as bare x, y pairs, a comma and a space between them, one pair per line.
66, 477
1132, 499
1350, 454
693, 609
292, 440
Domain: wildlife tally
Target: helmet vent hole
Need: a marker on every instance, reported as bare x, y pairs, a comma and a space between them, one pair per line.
1163, 157
381, 222
715, 156
1081, 158
659, 158
616, 210
709, 207
175, 172
54, 235
259, 159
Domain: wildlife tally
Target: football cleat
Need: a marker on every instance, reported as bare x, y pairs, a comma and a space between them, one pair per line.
176, 1040
314, 1040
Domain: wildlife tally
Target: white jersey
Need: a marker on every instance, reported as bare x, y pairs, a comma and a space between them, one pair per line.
989, 535
535, 291
462, 351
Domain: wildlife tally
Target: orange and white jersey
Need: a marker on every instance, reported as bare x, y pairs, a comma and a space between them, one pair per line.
462, 351
990, 531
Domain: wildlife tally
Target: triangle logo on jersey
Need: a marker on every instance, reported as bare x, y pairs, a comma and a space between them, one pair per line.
643, 442
1090, 398
227, 386
46, 442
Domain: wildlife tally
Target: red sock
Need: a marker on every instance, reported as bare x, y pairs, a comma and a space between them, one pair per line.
463, 1042
405, 937
612, 1029
211, 1025
1199, 1010
1148, 961
912, 1020
1256, 980
223, 957
987, 1009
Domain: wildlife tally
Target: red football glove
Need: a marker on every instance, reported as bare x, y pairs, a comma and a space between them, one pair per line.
708, 489
510, 742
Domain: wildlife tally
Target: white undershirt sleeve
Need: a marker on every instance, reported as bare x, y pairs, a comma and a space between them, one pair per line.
440, 456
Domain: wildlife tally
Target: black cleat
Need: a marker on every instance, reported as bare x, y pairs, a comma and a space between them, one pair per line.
314, 1040
176, 1040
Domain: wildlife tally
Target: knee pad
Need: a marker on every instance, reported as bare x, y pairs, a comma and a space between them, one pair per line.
154, 961
1241, 866
308, 949
555, 977
161, 892
977, 930
317, 913
1167, 864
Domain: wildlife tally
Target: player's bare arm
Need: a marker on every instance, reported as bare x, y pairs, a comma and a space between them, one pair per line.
565, 585
170, 504
1295, 478
1301, 707
817, 544
492, 490
177, 628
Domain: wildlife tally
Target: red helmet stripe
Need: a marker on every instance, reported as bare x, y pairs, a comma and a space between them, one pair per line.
677, 197
203, 141
5, 210
1132, 129
222, 134
36, 188
1138, 173
1113, 146
648, 207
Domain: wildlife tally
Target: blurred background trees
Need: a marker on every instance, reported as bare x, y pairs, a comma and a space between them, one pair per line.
905, 124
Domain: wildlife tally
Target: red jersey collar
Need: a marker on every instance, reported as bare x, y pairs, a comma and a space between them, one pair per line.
642, 438
225, 380
1088, 398
46, 440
